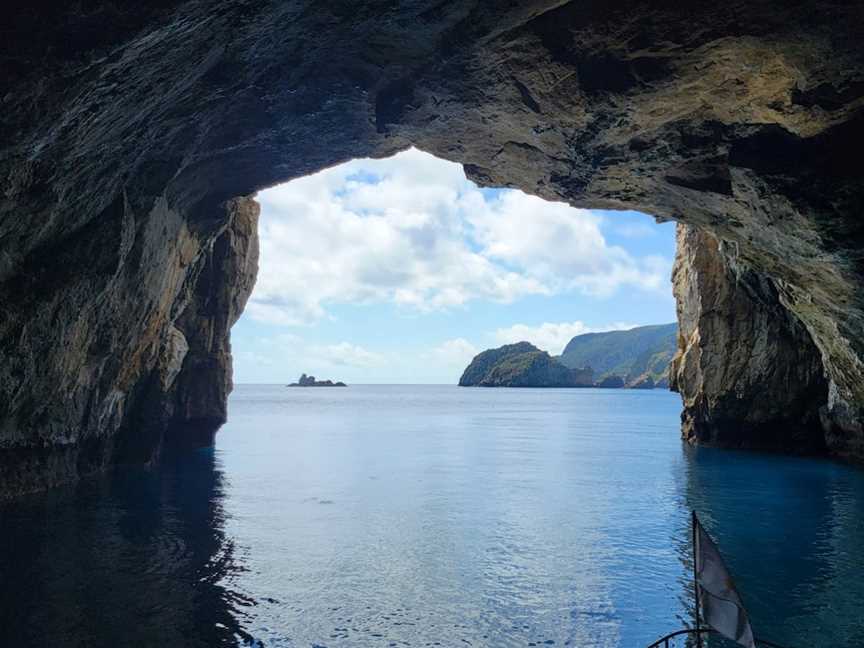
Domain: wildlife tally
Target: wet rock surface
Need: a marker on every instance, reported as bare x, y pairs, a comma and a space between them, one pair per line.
129, 130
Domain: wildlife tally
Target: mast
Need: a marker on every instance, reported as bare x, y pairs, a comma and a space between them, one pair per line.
695, 581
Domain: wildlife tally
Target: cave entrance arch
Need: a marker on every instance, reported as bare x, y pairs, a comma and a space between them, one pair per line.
122, 226
379, 263
720, 306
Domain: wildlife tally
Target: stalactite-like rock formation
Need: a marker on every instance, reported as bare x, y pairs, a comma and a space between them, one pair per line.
128, 131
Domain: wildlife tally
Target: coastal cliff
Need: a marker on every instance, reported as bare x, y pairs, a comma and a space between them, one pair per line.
748, 371
638, 357
132, 132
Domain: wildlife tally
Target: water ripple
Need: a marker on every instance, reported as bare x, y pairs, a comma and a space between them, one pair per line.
423, 516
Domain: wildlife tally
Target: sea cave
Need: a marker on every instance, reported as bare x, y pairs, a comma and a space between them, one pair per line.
136, 136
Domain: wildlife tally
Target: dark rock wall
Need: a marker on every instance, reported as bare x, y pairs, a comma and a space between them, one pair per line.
125, 129
133, 349
747, 370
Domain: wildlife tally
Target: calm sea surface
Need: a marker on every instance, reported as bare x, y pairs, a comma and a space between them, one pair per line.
433, 516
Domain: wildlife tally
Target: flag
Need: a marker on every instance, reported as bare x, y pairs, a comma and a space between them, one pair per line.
721, 605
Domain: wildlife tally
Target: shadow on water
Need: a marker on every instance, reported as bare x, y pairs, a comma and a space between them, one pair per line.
135, 558
433, 516
791, 531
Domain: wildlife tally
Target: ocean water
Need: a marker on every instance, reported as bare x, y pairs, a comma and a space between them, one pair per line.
433, 516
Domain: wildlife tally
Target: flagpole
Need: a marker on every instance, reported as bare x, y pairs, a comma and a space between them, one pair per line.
695, 582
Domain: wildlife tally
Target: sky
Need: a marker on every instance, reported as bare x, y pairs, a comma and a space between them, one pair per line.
401, 270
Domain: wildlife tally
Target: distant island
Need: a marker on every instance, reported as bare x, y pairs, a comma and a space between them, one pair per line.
309, 381
522, 365
636, 359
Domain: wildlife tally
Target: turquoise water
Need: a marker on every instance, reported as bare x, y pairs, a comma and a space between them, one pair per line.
421, 515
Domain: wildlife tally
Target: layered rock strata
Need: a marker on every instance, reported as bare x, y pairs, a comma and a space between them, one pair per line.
128, 130
747, 369
110, 358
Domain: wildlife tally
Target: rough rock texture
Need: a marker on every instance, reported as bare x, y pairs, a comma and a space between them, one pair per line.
522, 365
747, 369
104, 361
127, 126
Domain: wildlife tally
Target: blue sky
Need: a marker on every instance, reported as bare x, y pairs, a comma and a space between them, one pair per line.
400, 270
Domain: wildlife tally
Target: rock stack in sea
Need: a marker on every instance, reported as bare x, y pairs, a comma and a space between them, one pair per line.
310, 381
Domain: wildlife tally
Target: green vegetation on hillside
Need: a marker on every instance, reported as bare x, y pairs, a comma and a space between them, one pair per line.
522, 365
636, 355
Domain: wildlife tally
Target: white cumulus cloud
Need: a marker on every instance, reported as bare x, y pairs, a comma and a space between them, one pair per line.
345, 354
286, 356
412, 230
456, 352
561, 246
551, 336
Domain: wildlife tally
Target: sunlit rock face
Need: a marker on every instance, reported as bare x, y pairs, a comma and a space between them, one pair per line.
128, 128
747, 369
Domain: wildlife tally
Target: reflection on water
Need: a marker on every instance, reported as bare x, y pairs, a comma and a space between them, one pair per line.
792, 530
379, 516
139, 558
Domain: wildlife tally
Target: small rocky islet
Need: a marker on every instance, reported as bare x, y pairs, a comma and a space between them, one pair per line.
637, 358
310, 381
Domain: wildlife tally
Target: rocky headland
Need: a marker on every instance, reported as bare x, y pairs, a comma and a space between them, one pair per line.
636, 358
522, 365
